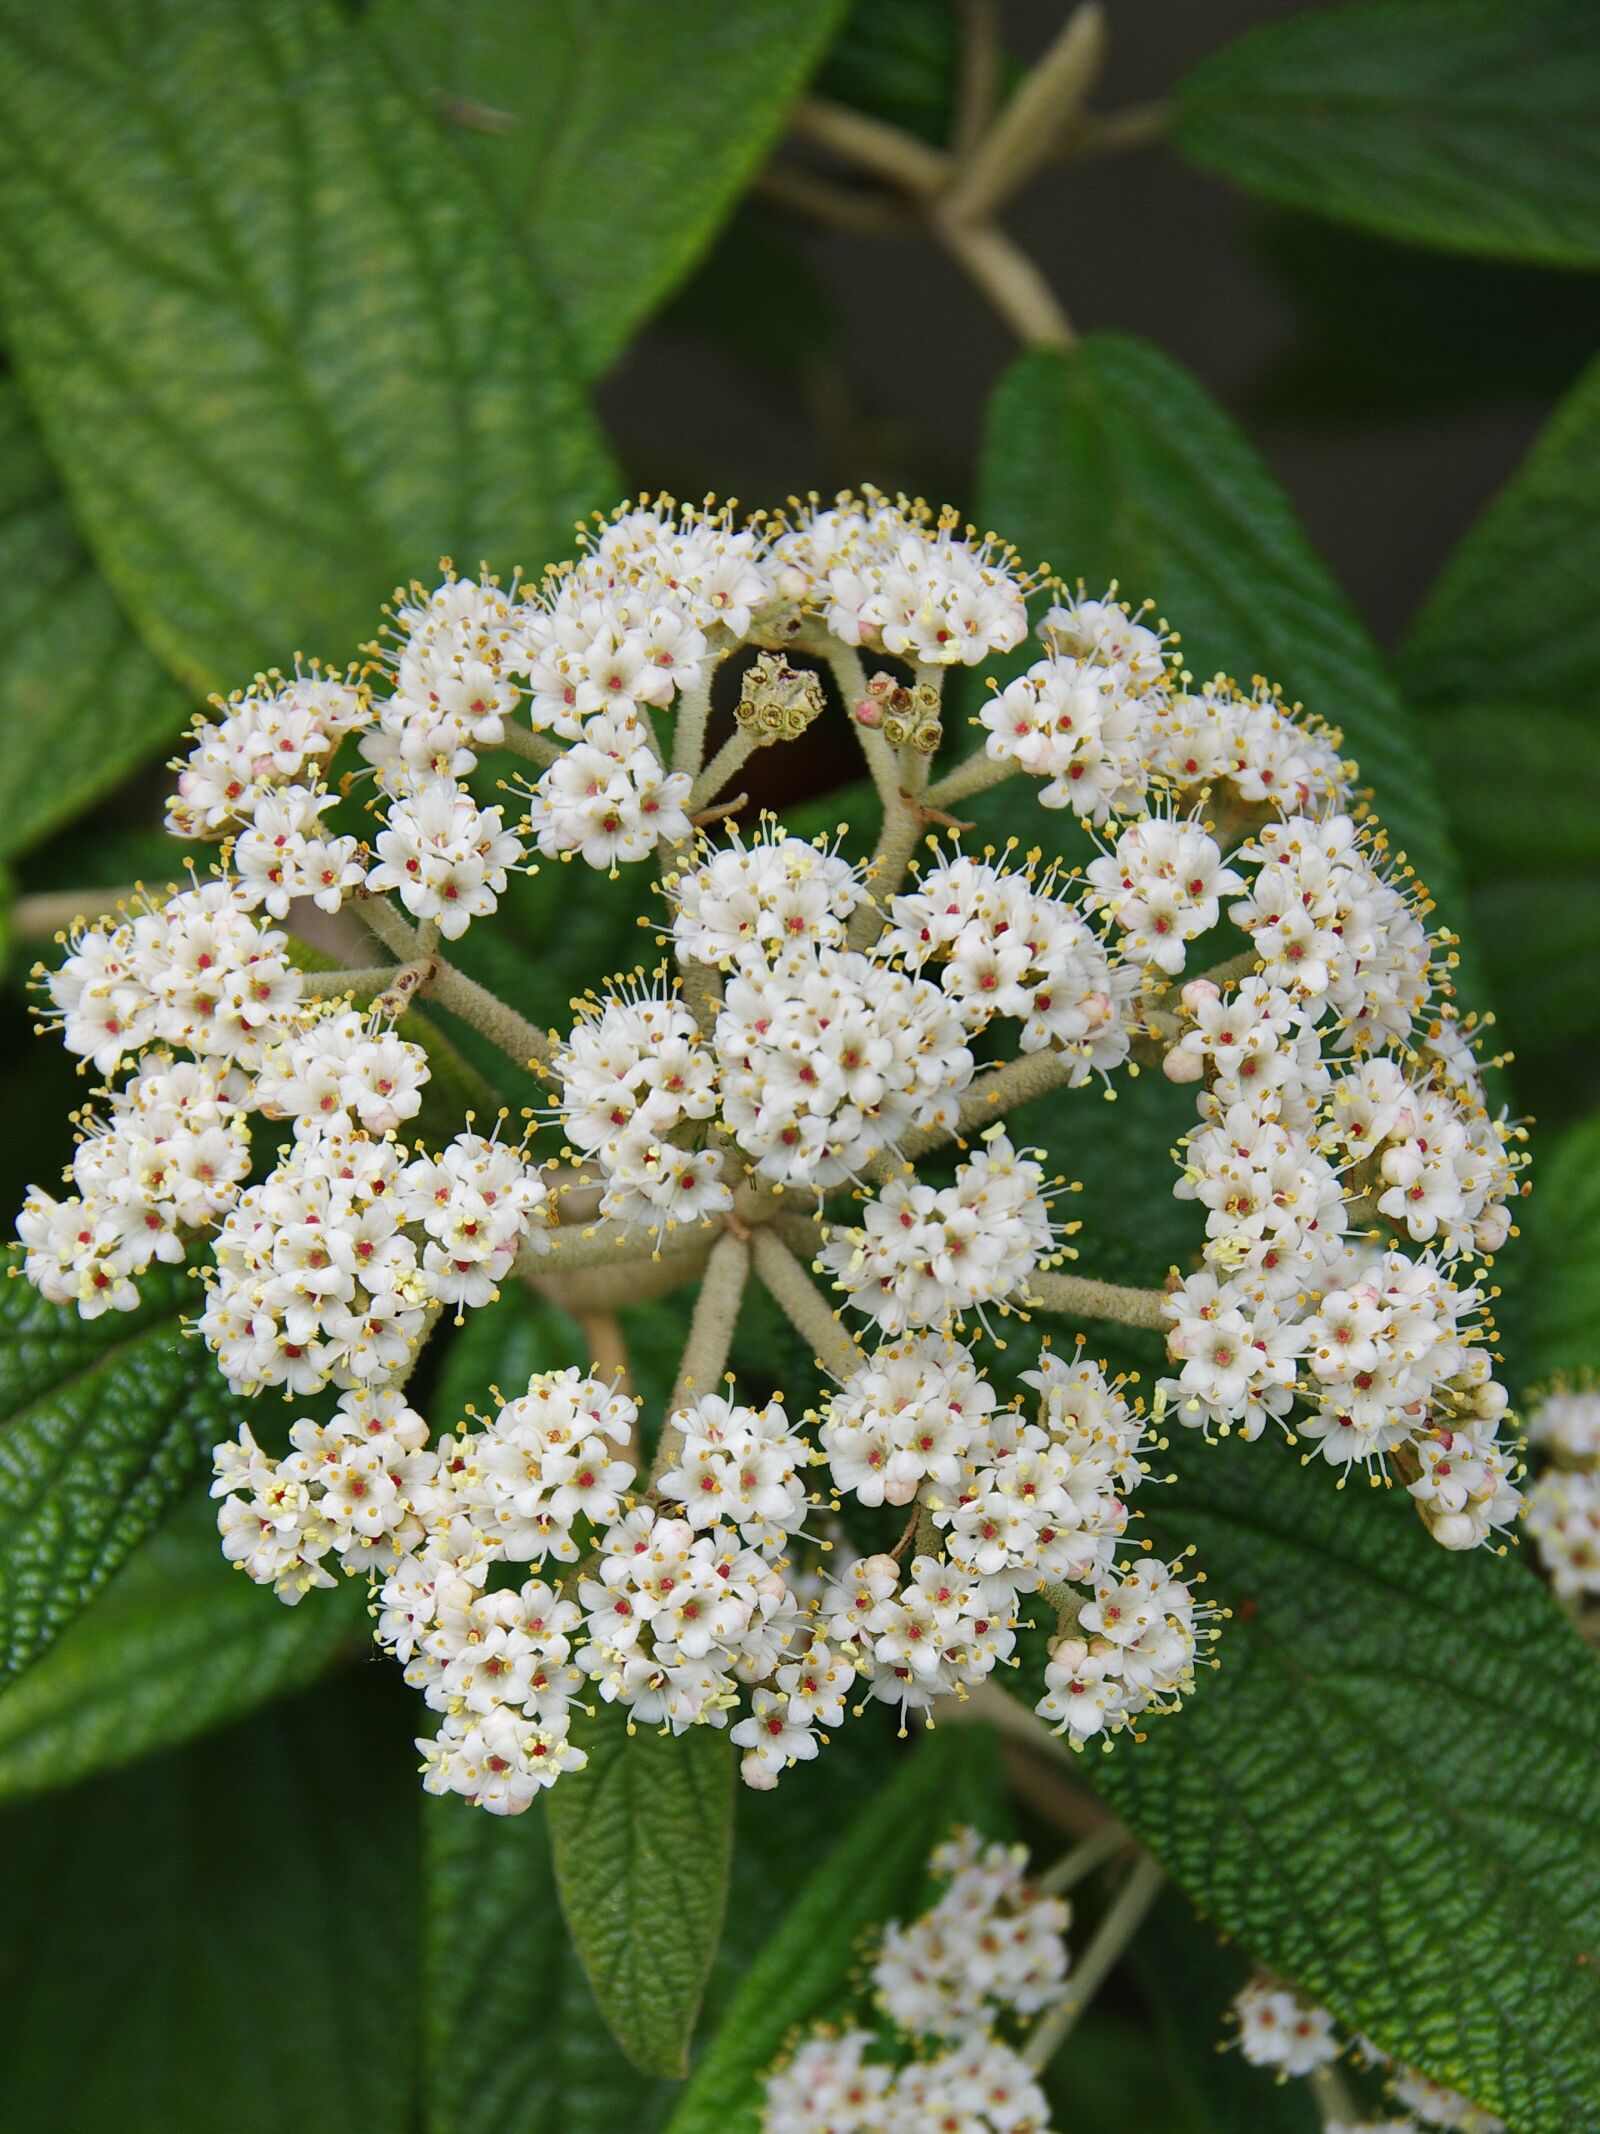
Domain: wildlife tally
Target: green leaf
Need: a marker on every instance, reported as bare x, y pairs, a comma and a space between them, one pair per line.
900, 61
642, 1840
1111, 462
178, 1643
1522, 784
616, 133
1472, 124
1540, 937
224, 1937
281, 350
1562, 1228
1513, 614
1385, 1791
81, 700
512, 2040
876, 1868
103, 1425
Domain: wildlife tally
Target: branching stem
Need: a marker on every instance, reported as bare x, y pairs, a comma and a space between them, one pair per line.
517, 1038
804, 1305
1112, 1936
711, 1331
532, 747
1078, 1296
1085, 1857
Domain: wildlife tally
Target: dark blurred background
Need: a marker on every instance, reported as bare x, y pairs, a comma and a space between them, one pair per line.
1391, 390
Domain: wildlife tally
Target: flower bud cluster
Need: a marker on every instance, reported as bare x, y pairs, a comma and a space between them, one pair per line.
1284, 2032
990, 1947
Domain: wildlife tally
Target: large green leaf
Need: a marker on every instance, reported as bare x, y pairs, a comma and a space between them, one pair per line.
1513, 613
1468, 123
1540, 937
642, 1841
1522, 784
1111, 462
512, 2040
617, 133
103, 1425
1562, 1225
178, 1643
224, 1937
803, 1971
1386, 1791
81, 700
281, 348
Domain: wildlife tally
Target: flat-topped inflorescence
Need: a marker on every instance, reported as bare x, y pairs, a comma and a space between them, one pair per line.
815, 1083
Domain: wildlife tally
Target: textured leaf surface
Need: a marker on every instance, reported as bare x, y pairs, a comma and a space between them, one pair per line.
804, 1969
281, 351
617, 133
512, 2040
1386, 1791
1513, 613
81, 700
1468, 123
225, 1937
103, 1425
642, 1841
1111, 462
178, 1643
1561, 1305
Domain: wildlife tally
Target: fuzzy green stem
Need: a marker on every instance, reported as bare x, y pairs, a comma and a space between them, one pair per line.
606, 1244
689, 732
1031, 121
51, 912
1335, 2101
1085, 1857
517, 1038
1079, 1296
711, 1331
729, 760
804, 1305
1111, 1938
974, 774
358, 985
532, 747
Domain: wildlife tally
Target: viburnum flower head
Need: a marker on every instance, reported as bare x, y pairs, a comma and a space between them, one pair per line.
816, 1091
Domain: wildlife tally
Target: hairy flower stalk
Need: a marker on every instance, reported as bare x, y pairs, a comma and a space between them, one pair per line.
811, 1093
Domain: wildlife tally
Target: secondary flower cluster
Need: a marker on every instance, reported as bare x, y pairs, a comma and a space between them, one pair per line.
1279, 2029
817, 1081
1564, 1498
991, 1947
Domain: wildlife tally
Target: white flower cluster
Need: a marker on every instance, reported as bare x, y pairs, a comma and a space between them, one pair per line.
1343, 1201
1563, 1513
319, 1274
824, 1024
1005, 946
989, 1947
277, 736
346, 1490
923, 1256
1017, 1505
1281, 2030
989, 1942
896, 579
